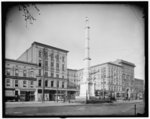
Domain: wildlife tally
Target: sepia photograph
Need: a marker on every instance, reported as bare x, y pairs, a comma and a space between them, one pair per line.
74, 59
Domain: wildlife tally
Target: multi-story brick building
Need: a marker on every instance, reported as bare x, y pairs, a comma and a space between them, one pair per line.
127, 78
107, 78
139, 88
53, 63
72, 83
112, 78
20, 80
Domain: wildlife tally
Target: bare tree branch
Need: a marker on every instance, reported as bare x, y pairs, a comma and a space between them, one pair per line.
28, 17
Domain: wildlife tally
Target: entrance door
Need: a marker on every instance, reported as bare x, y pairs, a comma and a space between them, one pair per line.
16, 95
51, 95
127, 94
27, 96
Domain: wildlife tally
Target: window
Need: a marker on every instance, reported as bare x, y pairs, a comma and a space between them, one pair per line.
57, 58
52, 75
45, 53
46, 83
24, 83
31, 73
40, 53
8, 82
123, 76
39, 83
63, 58
31, 84
7, 72
57, 66
46, 65
57, 84
46, 74
39, 72
52, 57
52, 65
40, 63
16, 72
62, 84
52, 83
63, 67
24, 73
127, 77
63, 77
16, 83
57, 75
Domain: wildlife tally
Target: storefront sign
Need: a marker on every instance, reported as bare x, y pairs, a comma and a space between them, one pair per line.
9, 93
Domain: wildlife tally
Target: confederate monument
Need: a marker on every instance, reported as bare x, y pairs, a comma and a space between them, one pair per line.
86, 84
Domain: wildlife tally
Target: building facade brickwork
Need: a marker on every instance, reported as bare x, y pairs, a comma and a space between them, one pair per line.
107, 78
20, 80
139, 88
52, 63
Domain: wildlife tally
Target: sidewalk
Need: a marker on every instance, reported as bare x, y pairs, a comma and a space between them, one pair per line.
39, 104
54, 103
128, 101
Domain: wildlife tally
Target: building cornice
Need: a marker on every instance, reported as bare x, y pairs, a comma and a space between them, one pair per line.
48, 46
126, 62
53, 78
22, 62
72, 69
20, 78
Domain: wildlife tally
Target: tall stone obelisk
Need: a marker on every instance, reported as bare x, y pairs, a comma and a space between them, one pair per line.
86, 85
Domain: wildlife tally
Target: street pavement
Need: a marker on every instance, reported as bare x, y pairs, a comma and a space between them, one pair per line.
119, 108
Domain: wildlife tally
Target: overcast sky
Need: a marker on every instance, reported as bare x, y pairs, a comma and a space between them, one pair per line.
117, 32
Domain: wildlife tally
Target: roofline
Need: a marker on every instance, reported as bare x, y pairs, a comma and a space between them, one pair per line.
72, 69
106, 63
102, 64
138, 79
126, 62
18, 61
115, 64
44, 45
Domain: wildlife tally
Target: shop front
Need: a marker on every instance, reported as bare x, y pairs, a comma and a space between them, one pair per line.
52, 95
26, 95
10, 95
71, 94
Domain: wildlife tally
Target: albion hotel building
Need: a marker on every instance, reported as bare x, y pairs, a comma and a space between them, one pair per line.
24, 77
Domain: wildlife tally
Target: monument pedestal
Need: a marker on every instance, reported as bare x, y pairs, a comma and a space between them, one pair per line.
83, 97
86, 91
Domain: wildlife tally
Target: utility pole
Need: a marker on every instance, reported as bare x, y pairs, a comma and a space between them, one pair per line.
43, 87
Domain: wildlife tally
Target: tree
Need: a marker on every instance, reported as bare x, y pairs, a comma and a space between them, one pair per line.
24, 7
28, 17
